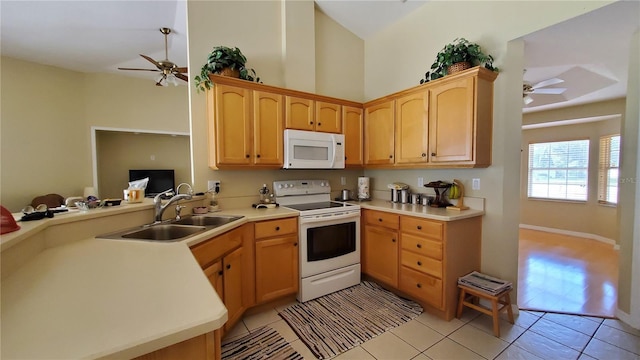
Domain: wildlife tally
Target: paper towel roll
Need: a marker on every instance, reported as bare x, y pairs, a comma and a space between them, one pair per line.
363, 188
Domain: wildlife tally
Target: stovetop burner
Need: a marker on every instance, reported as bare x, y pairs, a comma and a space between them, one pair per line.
318, 205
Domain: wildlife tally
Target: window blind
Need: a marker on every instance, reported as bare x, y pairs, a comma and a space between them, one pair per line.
559, 170
608, 167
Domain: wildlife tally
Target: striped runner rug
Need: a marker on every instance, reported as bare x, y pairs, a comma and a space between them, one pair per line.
263, 343
337, 322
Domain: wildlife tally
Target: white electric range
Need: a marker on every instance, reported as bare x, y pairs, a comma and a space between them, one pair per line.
329, 237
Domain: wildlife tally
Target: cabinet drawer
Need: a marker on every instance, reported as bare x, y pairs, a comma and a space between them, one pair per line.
269, 228
380, 218
424, 227
422, 286
422, 246
213, 249
421, 263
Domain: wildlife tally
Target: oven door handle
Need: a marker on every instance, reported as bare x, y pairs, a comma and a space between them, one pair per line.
308, 220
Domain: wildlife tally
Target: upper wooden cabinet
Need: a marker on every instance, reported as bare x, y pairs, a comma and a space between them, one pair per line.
310, 115
378, 134
245, 127
352, 128
443, 123
412, 128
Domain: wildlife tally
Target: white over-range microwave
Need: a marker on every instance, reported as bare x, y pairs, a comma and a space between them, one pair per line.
313, 150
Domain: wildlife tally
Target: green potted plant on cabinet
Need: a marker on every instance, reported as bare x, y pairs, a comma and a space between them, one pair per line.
459, 55
226, 61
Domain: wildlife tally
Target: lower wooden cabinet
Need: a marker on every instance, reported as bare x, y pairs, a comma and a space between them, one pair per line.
203, 347
421, 258
277, 257
233, 285
379, 243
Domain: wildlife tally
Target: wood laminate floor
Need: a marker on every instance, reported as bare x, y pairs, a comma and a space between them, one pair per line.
565, 274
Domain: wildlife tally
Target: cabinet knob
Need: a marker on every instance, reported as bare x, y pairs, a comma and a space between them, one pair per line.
277, 228
310, 122
433, 154
319, 124
419, 263
419, 227
220, 273
345, 158
295, 244
419, 246
247, 156
390, 156
424, 154
393, 240
258, 155
419, 285
228, 266
380, 219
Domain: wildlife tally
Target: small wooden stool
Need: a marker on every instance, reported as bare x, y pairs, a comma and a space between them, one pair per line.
470, 297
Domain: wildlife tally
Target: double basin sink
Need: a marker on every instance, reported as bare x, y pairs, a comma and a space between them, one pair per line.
174, 230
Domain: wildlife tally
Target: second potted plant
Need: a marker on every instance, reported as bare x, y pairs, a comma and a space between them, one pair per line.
460, 51
223, 60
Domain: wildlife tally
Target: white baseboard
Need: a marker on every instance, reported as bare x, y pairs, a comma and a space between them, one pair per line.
628, 319
573, 233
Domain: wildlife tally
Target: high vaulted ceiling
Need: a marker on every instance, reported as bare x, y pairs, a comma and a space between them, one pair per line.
590, 52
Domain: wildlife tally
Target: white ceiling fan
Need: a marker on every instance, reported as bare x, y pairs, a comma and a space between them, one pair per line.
540, 89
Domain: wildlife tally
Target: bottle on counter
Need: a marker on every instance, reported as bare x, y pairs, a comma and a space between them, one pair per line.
264, 195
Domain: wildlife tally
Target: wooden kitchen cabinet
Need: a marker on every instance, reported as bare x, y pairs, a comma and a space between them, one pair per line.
328, 117
412, 128
232, 280
299, 113
277, 258
203, 347
214, 273
245, 127
378, 133
379, 244
352, 126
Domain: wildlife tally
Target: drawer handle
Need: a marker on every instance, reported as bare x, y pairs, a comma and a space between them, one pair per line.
419, 246
419, 285
419, 227
277, 228
228, 266
419, 263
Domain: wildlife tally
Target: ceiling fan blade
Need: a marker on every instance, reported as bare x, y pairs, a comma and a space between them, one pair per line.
181, 69
527, 100
549, 82
152, 61
181, 77
551, 91
138, 69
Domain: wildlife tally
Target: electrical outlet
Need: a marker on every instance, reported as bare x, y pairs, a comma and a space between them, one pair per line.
476, 184
213, 185
420, 181
343, 180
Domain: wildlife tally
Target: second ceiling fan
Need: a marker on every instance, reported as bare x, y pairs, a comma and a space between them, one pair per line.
169, 70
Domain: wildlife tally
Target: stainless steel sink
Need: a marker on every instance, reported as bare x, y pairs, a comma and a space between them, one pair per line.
172, 231
213, 221
164, 232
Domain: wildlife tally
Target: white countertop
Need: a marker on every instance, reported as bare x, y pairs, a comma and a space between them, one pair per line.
99, 298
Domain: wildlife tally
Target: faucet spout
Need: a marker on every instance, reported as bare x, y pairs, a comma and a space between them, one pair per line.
160, 208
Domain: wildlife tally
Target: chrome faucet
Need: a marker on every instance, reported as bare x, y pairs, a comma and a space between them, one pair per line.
157, 200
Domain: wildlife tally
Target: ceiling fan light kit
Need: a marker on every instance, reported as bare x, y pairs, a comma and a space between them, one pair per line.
169, 71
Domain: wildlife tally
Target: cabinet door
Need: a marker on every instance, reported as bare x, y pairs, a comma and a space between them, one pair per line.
232, 126
215, 274
352, 129
299, 113
378, 134
276, 267
412, 128
232, 268
380, 254
451, 121
268, 126
328, 117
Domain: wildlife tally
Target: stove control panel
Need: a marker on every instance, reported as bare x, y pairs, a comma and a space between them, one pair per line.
301, 187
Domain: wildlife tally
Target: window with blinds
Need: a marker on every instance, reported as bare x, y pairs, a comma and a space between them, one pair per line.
559, 170
609, 163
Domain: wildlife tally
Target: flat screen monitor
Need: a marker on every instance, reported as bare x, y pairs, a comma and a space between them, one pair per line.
159, 180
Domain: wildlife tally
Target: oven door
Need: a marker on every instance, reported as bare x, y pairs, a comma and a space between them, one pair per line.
329, 242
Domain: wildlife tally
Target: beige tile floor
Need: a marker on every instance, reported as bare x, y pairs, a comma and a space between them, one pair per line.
535, 335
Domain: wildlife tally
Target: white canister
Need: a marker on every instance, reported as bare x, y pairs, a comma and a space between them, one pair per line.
133, 195
363, 188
